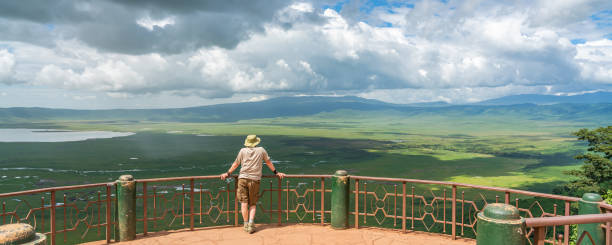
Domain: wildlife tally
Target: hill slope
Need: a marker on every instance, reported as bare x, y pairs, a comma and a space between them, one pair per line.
301, 106
277, 107
588, 98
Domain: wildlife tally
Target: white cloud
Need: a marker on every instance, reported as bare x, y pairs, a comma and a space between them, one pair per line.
461, 51
302, 7
451, 95
118, 95
281, 63
151, 24
107, 76
564, 12
222, 72
423, 72
595, 51
595, 59
257, 98
87, 97
578, 93
332, 56
344, 40
7, 66
306, 66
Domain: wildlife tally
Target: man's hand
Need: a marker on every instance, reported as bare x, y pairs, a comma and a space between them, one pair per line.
224, 176
280, 175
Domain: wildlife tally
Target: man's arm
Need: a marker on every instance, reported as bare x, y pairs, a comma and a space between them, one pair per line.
232, 168
271, 166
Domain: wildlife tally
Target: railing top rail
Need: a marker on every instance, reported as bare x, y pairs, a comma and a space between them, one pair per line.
490, 188
418, 181
303, 176
232, 176
605, 206
59, 188
568, 220
177, 178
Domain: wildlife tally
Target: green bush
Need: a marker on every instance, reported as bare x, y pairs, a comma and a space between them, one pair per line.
608, 197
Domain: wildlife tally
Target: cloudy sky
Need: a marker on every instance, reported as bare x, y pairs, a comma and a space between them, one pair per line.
153, 54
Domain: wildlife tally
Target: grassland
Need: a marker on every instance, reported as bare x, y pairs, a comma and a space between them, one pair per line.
506, 151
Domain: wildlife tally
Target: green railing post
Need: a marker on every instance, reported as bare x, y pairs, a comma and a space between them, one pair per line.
340, 200
500, 224
589, 204
126, 207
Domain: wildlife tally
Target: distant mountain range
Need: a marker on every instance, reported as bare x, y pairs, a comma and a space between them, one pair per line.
310, 105
540, 99
276, 107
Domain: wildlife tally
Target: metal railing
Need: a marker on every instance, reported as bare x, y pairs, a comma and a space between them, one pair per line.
191, 204
456, 205
77, 211
540, 224
203, 201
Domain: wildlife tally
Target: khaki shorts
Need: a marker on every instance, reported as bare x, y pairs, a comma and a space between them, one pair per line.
248, 191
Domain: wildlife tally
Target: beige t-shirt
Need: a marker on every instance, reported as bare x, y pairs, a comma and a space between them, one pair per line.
251, 160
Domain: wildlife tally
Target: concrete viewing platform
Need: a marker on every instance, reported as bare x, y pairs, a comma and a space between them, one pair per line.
292, 234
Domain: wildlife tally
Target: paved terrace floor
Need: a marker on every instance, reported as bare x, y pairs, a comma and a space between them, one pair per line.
292, 234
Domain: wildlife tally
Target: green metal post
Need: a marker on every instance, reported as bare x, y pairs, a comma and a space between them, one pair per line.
500, 224
126, 206
340, 200
589, 204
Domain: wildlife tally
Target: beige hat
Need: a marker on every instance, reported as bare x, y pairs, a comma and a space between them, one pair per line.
251, 140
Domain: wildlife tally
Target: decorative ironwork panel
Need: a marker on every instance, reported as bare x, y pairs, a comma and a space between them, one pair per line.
304, 200
75, 214
421, 207
429, 207
66, 216
531, 207
172, 205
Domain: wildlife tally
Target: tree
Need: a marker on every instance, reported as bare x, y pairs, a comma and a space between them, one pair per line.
608, 197
596, 173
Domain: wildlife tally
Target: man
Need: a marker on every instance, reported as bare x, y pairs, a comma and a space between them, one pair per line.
250, 158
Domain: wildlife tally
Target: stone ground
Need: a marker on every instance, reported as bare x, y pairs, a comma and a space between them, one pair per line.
292, 234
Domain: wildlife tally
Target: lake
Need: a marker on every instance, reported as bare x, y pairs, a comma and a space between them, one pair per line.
54, 135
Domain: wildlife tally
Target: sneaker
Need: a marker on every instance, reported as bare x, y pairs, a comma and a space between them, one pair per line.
250, 228
246, 227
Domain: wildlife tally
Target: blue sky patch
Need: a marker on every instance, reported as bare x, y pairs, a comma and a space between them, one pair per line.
385, 24
602, 19
337, 7
7, 47
372, 4
578, 41
602, 15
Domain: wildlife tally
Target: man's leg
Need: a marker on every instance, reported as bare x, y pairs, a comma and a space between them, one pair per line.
245, 211
250, 227
252, 210
253, 196
243, 197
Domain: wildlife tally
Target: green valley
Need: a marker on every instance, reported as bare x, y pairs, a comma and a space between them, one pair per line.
514, 149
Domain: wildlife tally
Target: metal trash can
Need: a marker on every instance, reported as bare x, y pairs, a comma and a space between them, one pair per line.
500, 224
